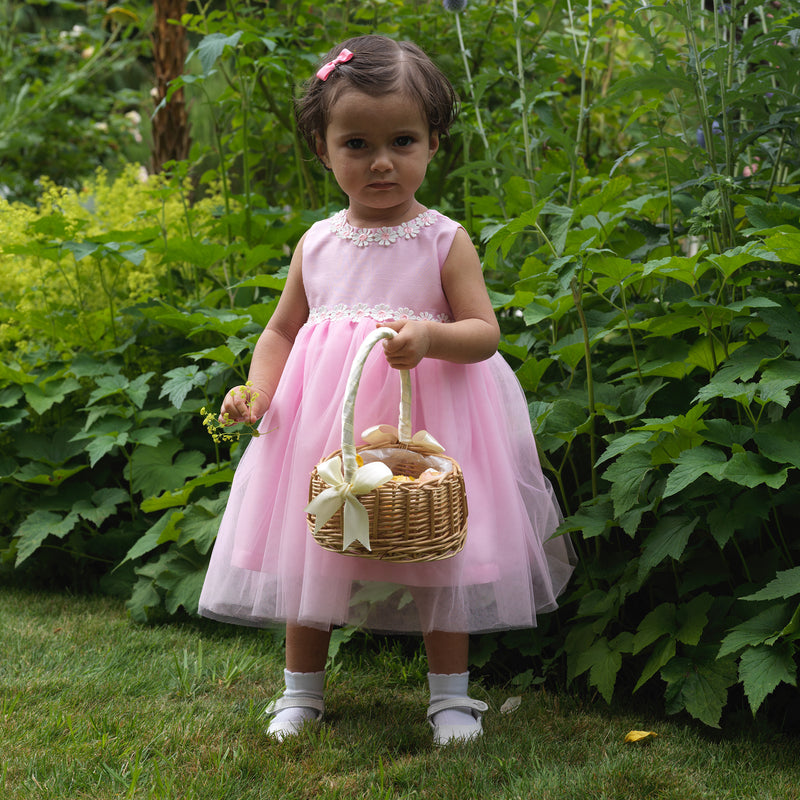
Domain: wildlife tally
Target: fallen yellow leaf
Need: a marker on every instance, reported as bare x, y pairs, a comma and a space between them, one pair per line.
638, 736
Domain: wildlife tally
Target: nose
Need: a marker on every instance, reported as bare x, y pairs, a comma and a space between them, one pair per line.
381, 161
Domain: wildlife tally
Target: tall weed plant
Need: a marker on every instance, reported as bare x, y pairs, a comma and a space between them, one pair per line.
630, 173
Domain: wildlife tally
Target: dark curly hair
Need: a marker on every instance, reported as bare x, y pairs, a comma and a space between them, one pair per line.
379, 65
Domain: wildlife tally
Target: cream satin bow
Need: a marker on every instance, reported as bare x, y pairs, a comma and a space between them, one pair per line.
340, 493
380, 435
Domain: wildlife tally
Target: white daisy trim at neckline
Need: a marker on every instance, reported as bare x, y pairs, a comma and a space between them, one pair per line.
363, 237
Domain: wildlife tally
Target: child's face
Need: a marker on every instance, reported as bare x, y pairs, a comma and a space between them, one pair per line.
378, 149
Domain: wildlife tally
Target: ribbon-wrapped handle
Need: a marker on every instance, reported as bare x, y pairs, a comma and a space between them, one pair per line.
344, 478
348, 409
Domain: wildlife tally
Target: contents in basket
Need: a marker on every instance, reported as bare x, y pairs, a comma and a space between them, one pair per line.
428, 475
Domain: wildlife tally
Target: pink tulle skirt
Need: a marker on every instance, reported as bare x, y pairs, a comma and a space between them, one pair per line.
266, 567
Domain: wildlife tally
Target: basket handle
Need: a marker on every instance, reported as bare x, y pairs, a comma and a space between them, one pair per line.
349, 463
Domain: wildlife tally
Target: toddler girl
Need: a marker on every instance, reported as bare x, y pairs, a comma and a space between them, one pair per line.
374, 114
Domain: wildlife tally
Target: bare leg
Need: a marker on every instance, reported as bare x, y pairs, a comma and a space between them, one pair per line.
448, 653
306, 648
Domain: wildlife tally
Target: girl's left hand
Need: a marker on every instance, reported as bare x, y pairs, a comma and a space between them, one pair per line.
410, 346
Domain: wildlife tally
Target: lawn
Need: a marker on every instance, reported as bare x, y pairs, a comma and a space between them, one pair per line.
95, 706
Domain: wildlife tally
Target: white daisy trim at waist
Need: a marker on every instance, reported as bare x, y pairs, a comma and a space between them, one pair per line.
379, 313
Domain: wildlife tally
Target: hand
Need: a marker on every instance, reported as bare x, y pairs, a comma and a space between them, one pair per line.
243, 404
410, 346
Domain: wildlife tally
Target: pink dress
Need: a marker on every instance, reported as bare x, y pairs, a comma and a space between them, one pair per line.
266, 566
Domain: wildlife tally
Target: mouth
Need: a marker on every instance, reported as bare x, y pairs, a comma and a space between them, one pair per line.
381, 185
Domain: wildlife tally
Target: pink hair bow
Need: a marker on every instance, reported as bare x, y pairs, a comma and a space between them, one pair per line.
326, 70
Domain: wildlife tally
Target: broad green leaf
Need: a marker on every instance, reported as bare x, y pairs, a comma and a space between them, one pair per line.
155, 471
180, 497
144, 597
603, 664
591, 520
784, 325
763, 668
201, 523
622, 443
763, 628
691, 421
103, 445
780, 441
725, 433
776, 379
615, 268
661, 621
565, 419
786, 246
44, 474
530, 373
699, 686
81, 249
633, 401
37, 527
748, 359
752, 302
534, 313
742, 393
707, 353
227, 353
186, 591
663, 653
263, 281
668, 540
211, 48
107, 424
669, 324
626, 475
737, 257
750, 469
102, 505
784, 585
149, 436
693, 618
107, 386
691, 464
679, 268
165, 530
138, 389
43, 396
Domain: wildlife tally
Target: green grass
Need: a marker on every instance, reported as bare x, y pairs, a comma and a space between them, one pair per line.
95, 706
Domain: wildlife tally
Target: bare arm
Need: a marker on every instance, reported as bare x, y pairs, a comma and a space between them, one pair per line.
250, 403
473, 336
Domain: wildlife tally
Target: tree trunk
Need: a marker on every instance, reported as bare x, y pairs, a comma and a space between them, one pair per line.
170, 125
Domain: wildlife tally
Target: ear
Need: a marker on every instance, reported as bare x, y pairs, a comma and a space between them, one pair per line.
433, 144
321, 150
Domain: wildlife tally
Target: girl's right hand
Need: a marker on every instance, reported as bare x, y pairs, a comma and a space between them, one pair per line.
243, 404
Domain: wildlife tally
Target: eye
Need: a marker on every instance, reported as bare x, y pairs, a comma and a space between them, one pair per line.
355, 144
404, 141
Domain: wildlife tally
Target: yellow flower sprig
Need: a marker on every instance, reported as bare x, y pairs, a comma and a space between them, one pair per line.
218, 427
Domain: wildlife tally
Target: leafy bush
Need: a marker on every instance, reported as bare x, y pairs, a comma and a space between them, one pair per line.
631, 175
69, 99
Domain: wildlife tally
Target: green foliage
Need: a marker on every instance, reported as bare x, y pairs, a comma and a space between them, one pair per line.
65, 103
631, 177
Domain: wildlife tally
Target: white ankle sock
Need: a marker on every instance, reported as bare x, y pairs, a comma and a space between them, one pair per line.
290, 720
443, 687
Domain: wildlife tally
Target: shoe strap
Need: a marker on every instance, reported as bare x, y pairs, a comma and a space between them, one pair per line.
467, 703
297, 701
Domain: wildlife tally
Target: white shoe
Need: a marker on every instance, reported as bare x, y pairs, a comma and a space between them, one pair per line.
280, 729
448, 734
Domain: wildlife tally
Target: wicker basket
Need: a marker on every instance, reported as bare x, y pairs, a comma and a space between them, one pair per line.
408, 521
